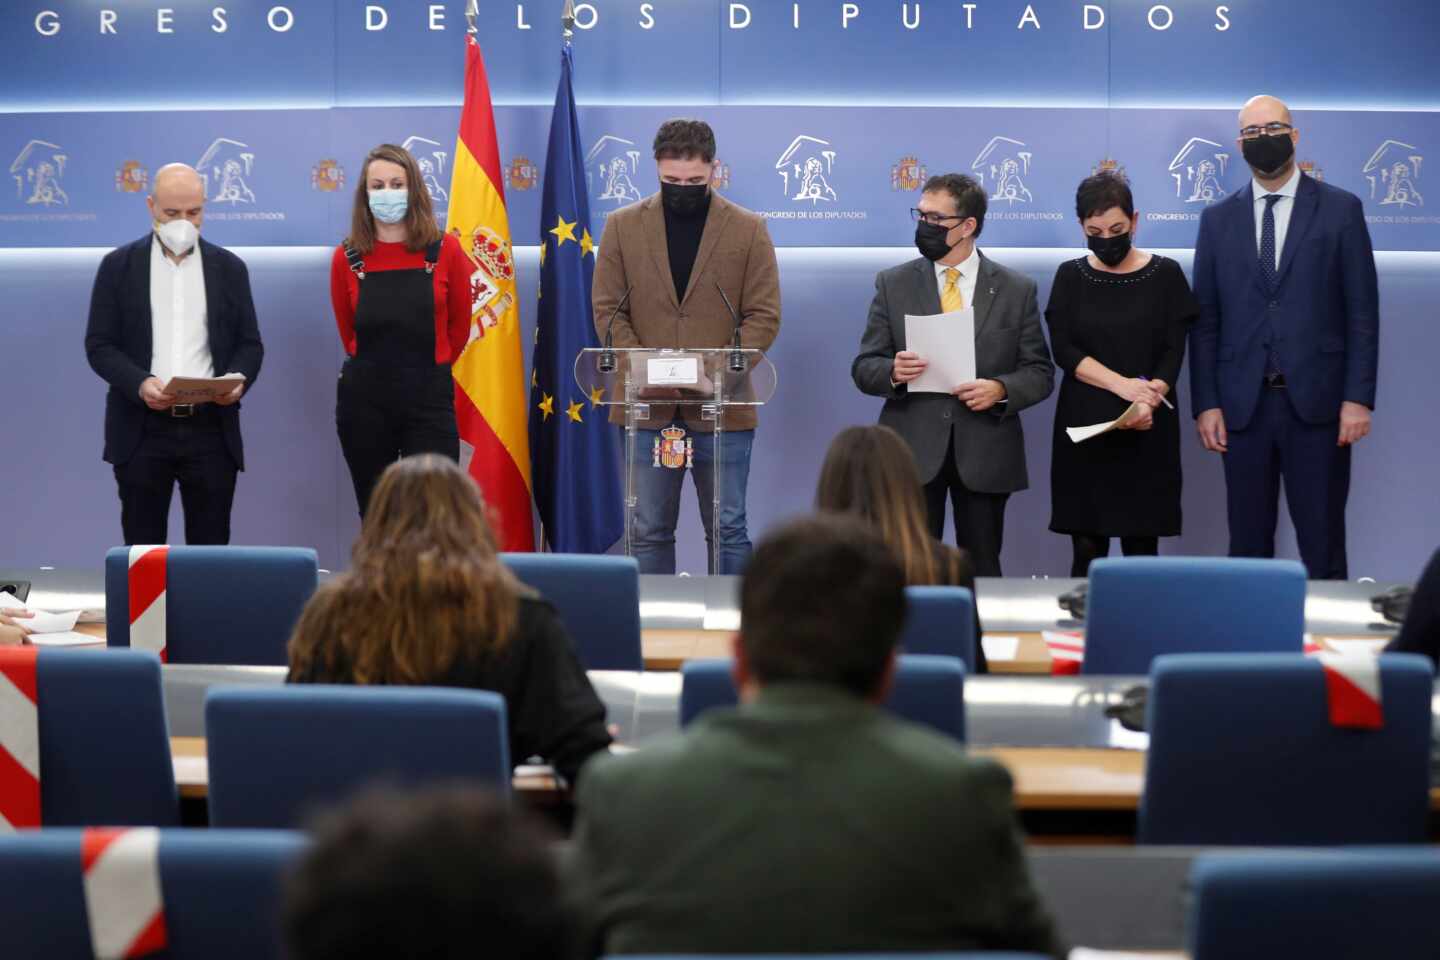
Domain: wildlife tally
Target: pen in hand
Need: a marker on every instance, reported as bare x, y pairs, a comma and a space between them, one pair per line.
1162, 399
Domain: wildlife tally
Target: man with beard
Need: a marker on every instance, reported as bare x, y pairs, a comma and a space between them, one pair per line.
1283, 356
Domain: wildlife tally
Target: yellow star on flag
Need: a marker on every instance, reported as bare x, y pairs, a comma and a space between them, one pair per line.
573, 411
543, 245
587, 245
596, 395
564, 231
547, 406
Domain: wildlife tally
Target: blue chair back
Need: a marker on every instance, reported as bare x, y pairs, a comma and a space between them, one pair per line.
1321, 906
104, 742
1242, 752
221, 891
940, 621
929, 690
279, 753
1141, 607
598, 598
225, 605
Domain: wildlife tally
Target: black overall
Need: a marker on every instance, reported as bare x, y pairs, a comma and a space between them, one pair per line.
393, 399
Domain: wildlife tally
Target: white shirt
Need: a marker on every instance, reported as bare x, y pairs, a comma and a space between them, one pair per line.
181, 336
969, 272
1283, 209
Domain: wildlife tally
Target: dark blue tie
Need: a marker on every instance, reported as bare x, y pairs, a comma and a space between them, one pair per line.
1271, 275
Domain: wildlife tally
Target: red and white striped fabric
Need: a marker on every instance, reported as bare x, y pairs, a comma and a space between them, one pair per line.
123, 901
1067, 650
147, 578
19, 739
1352, 686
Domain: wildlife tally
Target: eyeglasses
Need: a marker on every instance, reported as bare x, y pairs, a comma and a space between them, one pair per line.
1273, 129
934, 219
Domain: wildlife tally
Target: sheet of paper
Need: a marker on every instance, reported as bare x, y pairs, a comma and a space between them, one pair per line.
1081, 434
681, 372
65, 639
201, 389
1000, 648
39, 621
1358, 645
946, 341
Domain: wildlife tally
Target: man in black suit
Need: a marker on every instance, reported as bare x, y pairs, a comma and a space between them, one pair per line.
171, 304
968, 442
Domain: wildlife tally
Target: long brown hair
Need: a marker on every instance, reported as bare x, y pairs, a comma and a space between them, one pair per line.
421, 230
870, 472
425, 591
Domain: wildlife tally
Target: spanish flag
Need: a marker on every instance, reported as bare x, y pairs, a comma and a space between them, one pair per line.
490, 394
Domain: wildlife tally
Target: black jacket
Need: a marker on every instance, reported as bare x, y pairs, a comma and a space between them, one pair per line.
1421, 631
119, 338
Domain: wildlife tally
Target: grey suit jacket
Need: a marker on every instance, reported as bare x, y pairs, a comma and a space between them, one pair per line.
1009, 347
806, 822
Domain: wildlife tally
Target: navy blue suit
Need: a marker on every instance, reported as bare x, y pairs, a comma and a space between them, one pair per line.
151, 450
1320, 323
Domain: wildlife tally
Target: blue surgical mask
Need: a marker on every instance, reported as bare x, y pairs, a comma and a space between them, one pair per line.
389, 206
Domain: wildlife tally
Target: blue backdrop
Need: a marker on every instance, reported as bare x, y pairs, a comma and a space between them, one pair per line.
828, 116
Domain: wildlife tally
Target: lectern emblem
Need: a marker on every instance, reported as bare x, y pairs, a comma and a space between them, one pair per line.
673, 449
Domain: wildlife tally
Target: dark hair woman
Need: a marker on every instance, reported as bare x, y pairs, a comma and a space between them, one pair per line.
401, 293
869, 471
427, 601
1118, 320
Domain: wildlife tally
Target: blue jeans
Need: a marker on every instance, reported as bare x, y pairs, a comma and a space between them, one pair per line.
657, 494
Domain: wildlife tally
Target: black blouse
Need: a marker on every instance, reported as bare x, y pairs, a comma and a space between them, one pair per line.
553, 711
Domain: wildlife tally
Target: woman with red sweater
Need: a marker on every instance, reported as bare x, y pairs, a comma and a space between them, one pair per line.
401, 292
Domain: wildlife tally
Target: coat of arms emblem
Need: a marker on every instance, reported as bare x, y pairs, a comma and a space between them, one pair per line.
673, 449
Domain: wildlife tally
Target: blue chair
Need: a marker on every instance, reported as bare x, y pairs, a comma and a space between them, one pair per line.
1320, 906
598, 598
940, 621
1242, 752
223, 605
929, 690
279, 753
221, 891
1141, 607
104, 743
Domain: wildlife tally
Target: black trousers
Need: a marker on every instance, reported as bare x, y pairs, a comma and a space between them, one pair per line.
1278, 445
189, 451
384, 413
979, 517
1091, 547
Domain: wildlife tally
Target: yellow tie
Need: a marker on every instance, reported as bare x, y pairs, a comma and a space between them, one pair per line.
950, 299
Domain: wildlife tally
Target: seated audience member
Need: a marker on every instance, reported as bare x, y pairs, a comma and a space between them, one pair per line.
441, 874
427, 601
869, 471
12, 627
1420, 633
807, 820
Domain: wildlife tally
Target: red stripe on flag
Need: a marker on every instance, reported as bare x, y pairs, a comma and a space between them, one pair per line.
152, 939
477, 126
1349, 705
19, 793
147, 580
94, 841
500, 480
19, 664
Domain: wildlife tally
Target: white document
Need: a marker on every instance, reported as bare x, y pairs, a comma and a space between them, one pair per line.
64, 639
40, 621
1000, 648
1355, 646
202, 389
679, 372
946, 342
1081, 434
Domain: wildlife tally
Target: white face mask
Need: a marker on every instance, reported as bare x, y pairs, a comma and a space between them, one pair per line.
178, 235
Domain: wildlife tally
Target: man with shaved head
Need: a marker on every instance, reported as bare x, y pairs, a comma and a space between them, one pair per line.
1283, 357
173, 305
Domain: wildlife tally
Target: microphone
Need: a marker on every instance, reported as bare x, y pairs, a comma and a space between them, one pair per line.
607, 362
736, 362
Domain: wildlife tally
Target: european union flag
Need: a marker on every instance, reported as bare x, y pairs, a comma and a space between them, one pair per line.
574, 449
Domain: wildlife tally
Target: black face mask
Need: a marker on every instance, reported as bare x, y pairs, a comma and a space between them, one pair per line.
685, 199
1110, 251
930, 240
1268, 153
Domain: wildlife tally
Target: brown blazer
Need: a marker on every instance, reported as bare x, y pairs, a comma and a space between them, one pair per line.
735, 251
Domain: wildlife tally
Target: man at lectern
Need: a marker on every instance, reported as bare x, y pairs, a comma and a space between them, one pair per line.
965, 432
663, 265
173, 305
